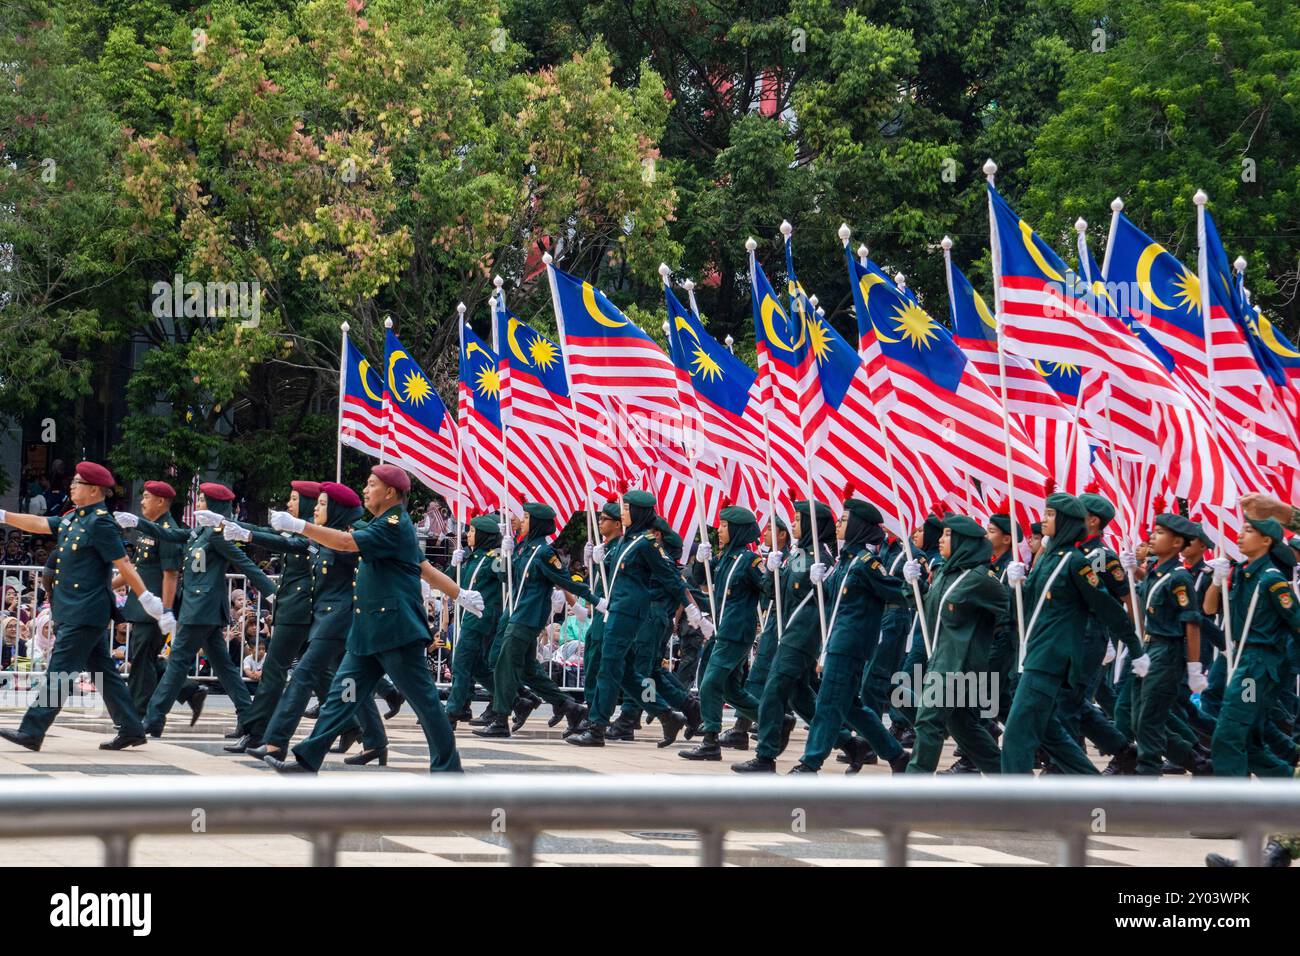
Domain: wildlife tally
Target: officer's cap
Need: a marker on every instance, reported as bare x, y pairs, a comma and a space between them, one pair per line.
393, 476
489, 523
160, 489
342, 494
215, 491
538, 510
612, 510
1178, 525
95, 474
306, 489
1002, 522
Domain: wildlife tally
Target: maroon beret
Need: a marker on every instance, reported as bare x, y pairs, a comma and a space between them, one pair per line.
340, 493
94, 474
393, 477
214, 491
308, 489
160, 489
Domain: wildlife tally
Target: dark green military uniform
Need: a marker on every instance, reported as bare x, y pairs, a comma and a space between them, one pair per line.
205, 611
483, 571
389, 635
965, 606
651, 643
1062, 590
593, 657
82, 608
153, 557
877, 680
1265, 617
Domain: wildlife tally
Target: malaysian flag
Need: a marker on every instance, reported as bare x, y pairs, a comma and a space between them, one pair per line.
421, 433
478, 391
361, 406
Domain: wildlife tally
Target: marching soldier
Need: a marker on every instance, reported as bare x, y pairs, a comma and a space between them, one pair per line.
604, 557
89, 548
964, 607
389, 631
741, 577
1213, 661
205, 610
859, 591
483, 572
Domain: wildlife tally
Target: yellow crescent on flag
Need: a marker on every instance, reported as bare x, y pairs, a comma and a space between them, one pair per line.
866, 283
1269, 335
364, 369
1145, 262
767, 309
593, 309
513, 342
392, 360
1027, 237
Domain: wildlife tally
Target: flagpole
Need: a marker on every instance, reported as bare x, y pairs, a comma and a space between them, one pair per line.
573, 413
1116, 207
498, 282
750, 246
460, 461
786, 230
886, 429
388, 412
1132, 579
990, 170
343, 379
1203, 274
665, 273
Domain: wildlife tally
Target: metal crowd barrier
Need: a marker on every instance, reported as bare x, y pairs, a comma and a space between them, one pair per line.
521, 806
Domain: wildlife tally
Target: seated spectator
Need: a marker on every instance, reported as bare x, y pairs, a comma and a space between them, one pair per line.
16, 554
253, 662
238, 601
13, 643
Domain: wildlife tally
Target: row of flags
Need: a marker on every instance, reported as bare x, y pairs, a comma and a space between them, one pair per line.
1092, 377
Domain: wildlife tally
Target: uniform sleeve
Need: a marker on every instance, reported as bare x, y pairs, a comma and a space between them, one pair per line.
108, 539
244, 563
664, 571
1108, 610
176, 534
54, 524
1182, 592
870, 575
1284, 602
555, 573
274, 541
1116, 578
378, 540
169, 556
990, 594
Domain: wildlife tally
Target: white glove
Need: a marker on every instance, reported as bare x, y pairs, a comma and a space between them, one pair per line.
707, 628
912, 571
458, 557
773, 560
207, 519
580, 612
233, 532
557, 601
693, 615
1110, 652
1141, 665
602, 605
1017, 571
1196, 678
283, 521
587, 550
471, 601
426, 592
507, 545
1221, 567
1128, 560
124, 519
704, 552
4, 516
167, 623
598, 553
817, 572
152, 605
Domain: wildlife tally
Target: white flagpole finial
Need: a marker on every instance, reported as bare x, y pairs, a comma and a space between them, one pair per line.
990, 168
689, 285
388, 322
812, 300
946, 243
900, 280
1240, 264
345, 327
1117, 205
844, 232
729, 341
786, 228
547, 258
1200, 198
862, 251
498, 281
1080, 225
666, 329
665, 271
750, 244
460, 307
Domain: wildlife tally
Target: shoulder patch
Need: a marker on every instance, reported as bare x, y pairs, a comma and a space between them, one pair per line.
555, 561
392, 519
1087, 572
101, 511
1279, 586
757, 561
1180, 592
1117, 571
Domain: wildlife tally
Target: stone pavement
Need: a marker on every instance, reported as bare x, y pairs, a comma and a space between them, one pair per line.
71, 751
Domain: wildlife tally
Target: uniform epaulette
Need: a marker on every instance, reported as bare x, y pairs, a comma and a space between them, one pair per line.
393, 519
101, 511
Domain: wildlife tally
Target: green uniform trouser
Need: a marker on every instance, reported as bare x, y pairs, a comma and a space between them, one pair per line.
77, 648
839, 702
516, 666
788, 685
592, 658
191, 639
361, 672
618, 671
316, 671
147, 642
1212, 696
966, 727
1154, 699
722, 683
904, 711
1030, 725
762, 665
1081, 717
1004, 658
878, 679
1237, 748
287, 642
469, 665
650, 639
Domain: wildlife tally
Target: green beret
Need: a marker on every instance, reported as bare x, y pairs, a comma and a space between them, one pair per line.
933, 521
1178, 525
1001, 522
1067, 505
1098, 506
661, 525
1036, 527
1200, 534
539, 510
781, 525
612, 509
640, 499
1270, 527
864, 510
963, 525
490, 523
735, 514
820, 508
1294, 542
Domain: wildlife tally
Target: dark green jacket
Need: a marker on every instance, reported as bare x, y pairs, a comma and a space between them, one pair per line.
1111, 573
206, 559
1275, 619
802, 629
1167, 597
964, 610
857, 594
1211, 631
388, 609
333, 590
642, 563
153, 556
537, 572
741, 582
480, 573
293, 594
89, 542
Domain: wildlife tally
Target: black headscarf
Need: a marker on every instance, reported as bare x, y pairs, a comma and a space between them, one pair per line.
825, 526
968, 552
1069, 530
539, 528
931, 532
642, 519
673, 545
340, 516
742, 536
859, 532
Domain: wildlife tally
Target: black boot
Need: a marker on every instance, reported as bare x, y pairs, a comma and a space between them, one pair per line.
575, 714
22, 740
347, 739
737, 738
707, 749
802, 767
483, 719
394, 699
691, 711
899, 763
456, 717
312, 712
593, 736
757, 765
962, 765
622, 729
673, 723
525, 704
787, 728
1123, 763
197, 700
859, 753
498, 728
122, 741
583, 725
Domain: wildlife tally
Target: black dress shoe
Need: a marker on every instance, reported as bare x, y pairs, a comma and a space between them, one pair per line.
801, 767
22, 740
122, 741
346, 740
787, 728
312, 712
593, 736
621, 729
694, 717
858, 750
483, 719
366, 756
575, 714
287, 766
1171, 769
707, 749
523, 709
899, 763
961, 765
197, 700
264, 751
757, 765
243, 744
497, 728
672, 722
394, 699
583, 726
